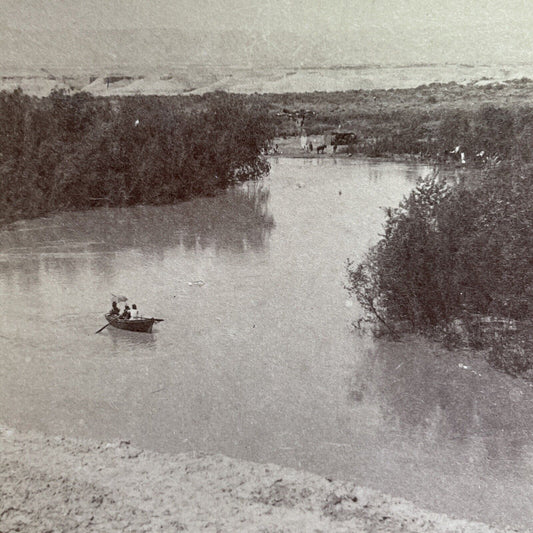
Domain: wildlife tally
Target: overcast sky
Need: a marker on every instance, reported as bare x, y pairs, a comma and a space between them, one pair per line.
310, 15
484, 29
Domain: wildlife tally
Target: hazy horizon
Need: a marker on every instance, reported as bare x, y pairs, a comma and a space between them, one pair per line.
269, 32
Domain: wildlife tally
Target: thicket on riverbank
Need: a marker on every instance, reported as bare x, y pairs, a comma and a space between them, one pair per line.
426, 121
453, 256
76, 152
493, 131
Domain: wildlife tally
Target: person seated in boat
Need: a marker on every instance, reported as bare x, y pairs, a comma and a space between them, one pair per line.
126, 313
115, 310
134, 312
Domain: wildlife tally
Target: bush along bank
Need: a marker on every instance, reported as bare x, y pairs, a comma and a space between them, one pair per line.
437, 122
76, 152
456, 262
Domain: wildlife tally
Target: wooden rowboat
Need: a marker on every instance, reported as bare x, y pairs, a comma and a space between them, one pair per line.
143, 325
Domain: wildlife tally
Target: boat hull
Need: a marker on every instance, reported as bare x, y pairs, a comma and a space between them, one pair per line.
141, 325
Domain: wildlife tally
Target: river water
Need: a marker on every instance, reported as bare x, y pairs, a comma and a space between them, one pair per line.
256, 357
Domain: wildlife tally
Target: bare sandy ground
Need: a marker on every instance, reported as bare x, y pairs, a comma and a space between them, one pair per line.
61, 485
147, 81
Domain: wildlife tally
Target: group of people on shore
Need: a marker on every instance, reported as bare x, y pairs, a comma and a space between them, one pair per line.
128, 313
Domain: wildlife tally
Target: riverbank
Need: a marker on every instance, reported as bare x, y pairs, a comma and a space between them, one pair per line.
59, 484
76, 152
290, 147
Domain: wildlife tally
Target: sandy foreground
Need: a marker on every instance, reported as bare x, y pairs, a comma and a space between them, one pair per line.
52, 484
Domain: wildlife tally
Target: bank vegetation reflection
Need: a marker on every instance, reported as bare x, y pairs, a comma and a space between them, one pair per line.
425, 393
234, 222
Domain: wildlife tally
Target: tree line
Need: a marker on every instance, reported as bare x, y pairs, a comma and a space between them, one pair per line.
452, 258
426, 121
79, 151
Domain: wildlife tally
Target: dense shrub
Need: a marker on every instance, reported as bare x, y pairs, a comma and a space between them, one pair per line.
511, 354
79, 151
450, 255
426, 121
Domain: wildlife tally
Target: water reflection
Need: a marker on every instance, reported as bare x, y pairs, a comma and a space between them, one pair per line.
419, 389
76, 244
235, 221
128, 341
258, 362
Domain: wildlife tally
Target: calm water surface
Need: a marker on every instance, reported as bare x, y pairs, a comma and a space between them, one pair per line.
256, 358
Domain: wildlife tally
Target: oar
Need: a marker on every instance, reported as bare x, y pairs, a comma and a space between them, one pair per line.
102, 328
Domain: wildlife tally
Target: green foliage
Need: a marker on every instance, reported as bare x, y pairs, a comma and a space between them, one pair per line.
65, 152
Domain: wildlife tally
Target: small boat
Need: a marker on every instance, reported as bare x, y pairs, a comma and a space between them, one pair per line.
143, 325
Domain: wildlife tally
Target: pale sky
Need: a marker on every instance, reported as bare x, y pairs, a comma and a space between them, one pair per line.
310, 15
494, 26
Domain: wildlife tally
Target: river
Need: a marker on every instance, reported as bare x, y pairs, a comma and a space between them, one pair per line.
256, 357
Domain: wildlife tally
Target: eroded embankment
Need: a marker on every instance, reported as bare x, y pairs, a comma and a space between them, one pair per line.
57, 484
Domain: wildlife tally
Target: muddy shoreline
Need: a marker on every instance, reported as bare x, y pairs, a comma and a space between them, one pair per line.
59, 484
289, 147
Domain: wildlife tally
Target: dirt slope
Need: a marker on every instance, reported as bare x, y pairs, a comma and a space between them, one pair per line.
56, 484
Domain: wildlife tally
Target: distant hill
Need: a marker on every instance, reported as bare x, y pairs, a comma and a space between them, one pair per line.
197, 79
174, 61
